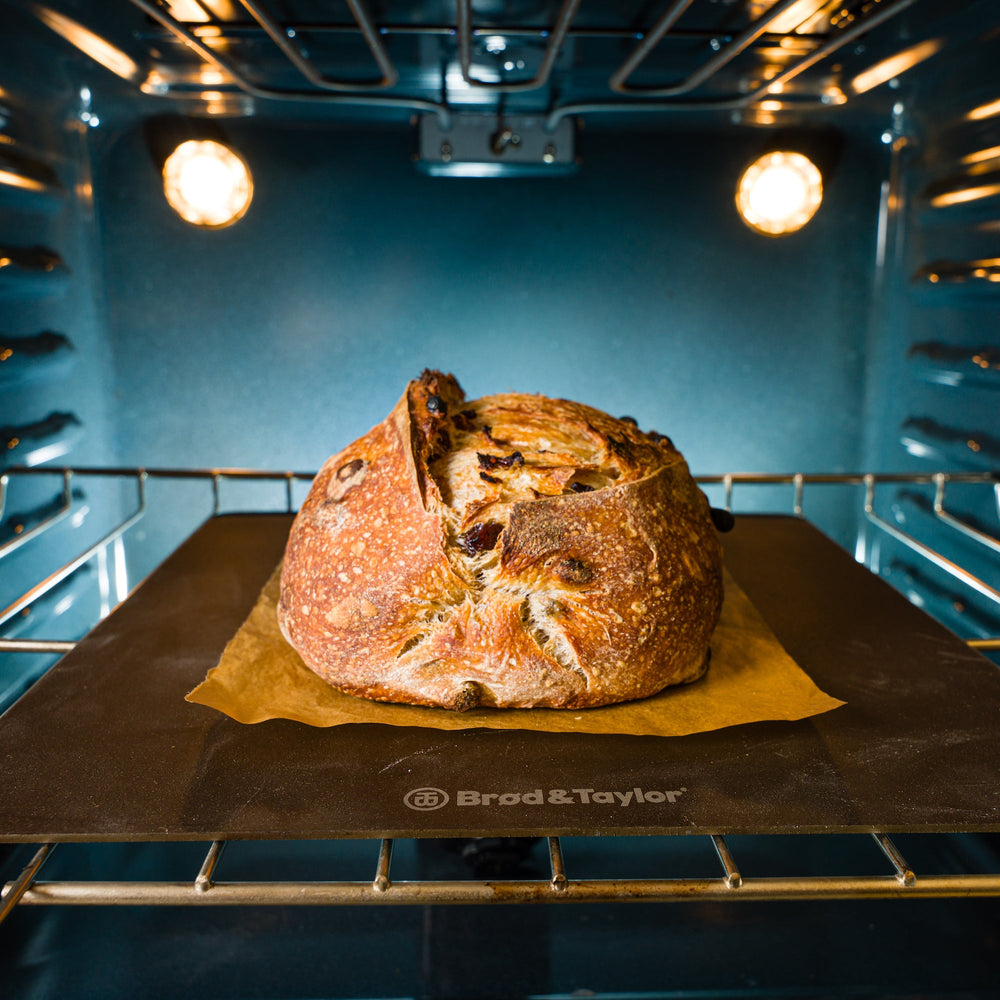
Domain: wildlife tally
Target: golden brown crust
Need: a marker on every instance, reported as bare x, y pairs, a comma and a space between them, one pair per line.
513, 551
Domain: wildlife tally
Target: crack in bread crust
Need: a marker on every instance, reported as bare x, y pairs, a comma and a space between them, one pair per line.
514, 551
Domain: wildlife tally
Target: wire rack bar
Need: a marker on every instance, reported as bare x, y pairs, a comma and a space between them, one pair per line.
846, 478
931, 555
216, 26
203, 881
733, 879
729, 482
991, 478
799, 482
36, 645
382, 882
557, 866
42, 588
53, 519
437, 893
65, 645
14, 892
904, 874
205, 890
957, 523
154, 472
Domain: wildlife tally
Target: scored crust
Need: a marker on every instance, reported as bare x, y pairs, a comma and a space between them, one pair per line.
513, 551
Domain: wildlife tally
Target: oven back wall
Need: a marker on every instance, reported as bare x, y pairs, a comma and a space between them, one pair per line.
630, 285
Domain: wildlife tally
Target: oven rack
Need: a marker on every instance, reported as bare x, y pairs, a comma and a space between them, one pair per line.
108, 551
899, 882
223, 491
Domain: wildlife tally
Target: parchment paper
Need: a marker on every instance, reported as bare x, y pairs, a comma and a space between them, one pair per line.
751, 679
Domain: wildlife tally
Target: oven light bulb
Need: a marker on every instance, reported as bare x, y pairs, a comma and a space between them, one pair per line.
779, 193
207, 184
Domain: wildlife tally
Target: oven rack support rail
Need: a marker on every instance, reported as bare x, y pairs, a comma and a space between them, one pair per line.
108, 552
204, 890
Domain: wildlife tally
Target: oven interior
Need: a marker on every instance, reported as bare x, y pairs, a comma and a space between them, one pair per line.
537, 197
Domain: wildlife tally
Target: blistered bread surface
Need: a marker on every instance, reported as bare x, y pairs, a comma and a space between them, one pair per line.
513, 551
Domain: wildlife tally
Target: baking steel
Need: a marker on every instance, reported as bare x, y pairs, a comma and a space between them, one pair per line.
104, 747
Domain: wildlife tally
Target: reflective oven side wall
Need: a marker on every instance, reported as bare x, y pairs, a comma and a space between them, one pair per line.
56, 365
933, 384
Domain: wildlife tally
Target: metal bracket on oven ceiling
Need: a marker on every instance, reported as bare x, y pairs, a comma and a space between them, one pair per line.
501, 146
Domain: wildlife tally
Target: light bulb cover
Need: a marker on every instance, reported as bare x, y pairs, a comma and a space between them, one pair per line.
207, 184
779, 192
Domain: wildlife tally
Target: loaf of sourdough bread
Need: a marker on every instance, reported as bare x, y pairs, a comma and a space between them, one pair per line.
514, 551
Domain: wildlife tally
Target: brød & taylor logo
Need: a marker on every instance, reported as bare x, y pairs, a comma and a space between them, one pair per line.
428, 798
425, 799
